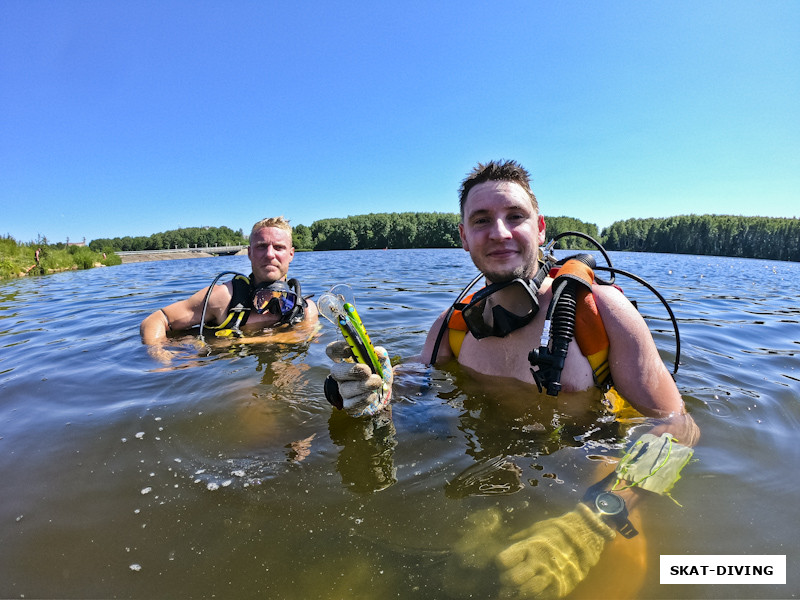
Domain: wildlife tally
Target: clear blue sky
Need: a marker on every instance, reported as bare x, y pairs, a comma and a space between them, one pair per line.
130, 118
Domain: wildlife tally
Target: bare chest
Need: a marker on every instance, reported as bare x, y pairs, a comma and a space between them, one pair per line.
224, 313
508, 357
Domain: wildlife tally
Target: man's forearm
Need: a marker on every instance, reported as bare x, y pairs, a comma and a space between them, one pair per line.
682, 426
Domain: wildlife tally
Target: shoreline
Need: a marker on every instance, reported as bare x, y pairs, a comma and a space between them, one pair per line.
151, 256
125, 259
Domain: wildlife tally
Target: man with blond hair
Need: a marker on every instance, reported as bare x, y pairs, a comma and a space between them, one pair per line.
245, 304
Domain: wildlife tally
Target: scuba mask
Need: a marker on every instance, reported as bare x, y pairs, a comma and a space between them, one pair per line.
276, 297
500, 321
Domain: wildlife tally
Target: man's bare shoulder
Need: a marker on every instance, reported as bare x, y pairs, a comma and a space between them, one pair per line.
613, 305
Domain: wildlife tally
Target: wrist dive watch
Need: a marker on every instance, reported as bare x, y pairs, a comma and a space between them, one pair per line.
613, 511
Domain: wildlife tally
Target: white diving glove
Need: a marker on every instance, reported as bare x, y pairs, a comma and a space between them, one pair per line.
360, 391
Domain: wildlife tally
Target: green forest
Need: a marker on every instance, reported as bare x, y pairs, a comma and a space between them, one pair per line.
378, 230
716, 235
406, 230
187, 237
721, 235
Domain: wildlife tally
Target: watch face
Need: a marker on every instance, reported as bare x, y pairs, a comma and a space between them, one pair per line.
609, 504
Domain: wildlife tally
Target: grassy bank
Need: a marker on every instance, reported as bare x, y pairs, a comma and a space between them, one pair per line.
19, 260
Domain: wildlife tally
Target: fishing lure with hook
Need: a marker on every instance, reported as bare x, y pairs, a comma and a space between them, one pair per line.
338, 306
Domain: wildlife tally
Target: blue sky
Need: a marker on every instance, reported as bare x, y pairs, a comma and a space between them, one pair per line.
133, 118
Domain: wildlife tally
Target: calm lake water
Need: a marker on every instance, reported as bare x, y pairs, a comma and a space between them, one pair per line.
226, 473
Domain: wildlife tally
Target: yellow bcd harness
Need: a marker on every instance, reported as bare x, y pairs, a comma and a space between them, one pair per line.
238, 309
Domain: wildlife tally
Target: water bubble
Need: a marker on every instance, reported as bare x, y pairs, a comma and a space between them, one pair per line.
136, 567
213, 486
139, 435
146, 490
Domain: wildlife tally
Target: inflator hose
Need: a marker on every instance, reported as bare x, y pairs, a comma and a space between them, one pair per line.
561, 334
550, 359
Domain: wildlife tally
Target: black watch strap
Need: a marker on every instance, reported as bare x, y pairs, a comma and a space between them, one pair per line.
626, 528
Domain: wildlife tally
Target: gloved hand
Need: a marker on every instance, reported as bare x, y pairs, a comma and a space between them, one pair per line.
553, 556
362, 391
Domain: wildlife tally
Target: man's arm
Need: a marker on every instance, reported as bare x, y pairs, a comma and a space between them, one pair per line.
184, 314
533, 564
639, 374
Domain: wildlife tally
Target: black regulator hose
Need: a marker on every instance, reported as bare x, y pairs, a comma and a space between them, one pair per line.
298, 305
208, 296
449, 314
550, 358
597, 245
666, 305
561, 334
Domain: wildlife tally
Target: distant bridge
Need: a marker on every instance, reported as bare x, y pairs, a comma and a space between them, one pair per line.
218, 250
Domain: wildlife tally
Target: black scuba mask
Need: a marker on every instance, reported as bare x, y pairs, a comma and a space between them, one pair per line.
500, 321
276, 297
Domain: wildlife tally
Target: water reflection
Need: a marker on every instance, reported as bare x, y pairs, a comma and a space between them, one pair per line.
506, 424
366, 458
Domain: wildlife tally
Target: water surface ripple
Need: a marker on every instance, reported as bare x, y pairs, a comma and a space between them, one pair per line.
226, 473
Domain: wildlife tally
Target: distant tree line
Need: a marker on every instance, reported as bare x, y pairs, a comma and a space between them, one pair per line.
408, 230
717, 235
720, 235
187, 237
558, 225
380, 230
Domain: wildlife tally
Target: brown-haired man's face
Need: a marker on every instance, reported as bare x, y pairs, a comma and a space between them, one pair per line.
501, 230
